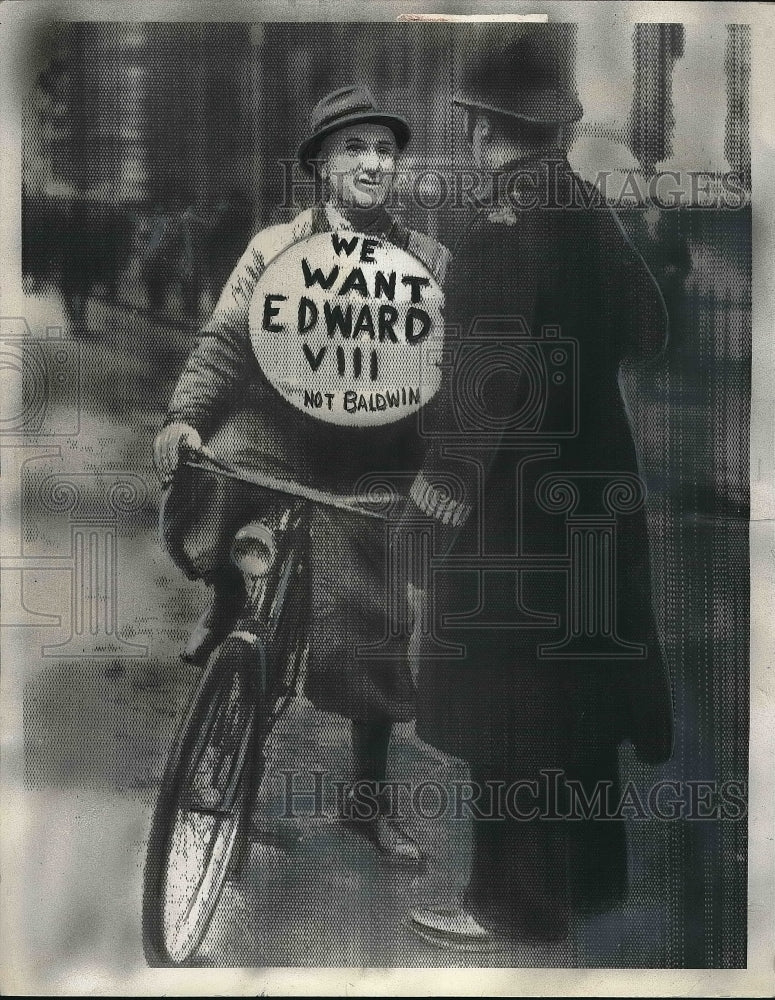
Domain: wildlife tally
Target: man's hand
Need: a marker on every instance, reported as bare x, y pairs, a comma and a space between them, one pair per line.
166, 447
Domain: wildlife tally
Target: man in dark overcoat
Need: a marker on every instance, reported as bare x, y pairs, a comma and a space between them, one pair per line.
553, 659
223, 398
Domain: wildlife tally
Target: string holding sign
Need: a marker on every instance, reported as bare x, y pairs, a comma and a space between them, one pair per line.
349, 328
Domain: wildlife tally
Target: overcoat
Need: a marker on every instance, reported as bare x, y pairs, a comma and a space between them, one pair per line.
551, 291
223, 393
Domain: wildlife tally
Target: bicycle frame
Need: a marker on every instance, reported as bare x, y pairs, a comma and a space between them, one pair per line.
268, 550
201, 831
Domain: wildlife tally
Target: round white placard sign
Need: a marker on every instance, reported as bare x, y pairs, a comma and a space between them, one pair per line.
349, 329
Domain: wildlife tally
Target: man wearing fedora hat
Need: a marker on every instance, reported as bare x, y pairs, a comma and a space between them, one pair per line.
223, 397
527, 714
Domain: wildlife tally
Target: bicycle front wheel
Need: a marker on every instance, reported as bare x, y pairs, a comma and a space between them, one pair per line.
201, 810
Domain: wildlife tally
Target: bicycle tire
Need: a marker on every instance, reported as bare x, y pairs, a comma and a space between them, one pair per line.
217, 825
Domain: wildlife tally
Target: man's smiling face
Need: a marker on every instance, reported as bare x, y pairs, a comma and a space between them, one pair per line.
359, 162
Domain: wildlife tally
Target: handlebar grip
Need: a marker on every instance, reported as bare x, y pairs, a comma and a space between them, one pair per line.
202, 451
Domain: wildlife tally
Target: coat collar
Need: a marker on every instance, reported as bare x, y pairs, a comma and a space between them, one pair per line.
326, 217
529, 174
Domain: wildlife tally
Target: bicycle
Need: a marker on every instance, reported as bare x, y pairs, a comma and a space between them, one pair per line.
200, 832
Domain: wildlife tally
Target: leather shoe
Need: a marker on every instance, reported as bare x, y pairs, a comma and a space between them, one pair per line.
393, 841
450, 927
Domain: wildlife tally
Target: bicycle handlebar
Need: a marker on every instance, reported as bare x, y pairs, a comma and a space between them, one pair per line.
204, 458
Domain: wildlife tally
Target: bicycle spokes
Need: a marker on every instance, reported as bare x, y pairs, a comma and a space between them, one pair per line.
200, 844
207, 815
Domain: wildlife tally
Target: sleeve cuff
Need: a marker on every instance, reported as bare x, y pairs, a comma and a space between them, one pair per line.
199, 425
438, 503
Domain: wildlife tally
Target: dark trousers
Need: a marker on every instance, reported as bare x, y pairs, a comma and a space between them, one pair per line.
530, 874
371, 742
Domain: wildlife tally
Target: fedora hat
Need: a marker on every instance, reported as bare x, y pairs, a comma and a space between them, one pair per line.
351, 105
528, 76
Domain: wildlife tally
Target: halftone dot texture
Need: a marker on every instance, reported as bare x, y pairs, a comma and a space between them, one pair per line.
152, 155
